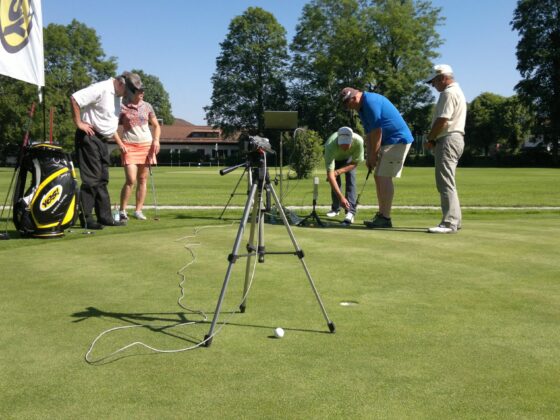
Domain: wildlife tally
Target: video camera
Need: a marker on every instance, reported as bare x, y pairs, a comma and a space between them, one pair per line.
257, 143
253, 146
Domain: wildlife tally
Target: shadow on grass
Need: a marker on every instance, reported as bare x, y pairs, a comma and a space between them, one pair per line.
139, 319
195, 217
340, 225
10, 234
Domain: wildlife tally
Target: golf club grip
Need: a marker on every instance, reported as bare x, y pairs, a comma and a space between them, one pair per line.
315, 188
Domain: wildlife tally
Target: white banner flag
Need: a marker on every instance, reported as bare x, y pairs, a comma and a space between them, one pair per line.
21, 40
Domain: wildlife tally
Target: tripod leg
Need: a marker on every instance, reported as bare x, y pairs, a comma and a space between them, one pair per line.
250, 249
232, 194
232, 259
299, 253
261, 250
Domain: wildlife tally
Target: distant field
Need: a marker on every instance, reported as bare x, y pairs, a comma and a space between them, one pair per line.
477, 187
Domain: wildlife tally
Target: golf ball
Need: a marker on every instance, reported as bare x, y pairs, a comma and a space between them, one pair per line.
279, 332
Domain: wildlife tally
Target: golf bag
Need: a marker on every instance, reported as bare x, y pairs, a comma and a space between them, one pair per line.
49, 204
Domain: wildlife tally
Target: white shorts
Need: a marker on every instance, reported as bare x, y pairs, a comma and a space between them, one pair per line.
391, 160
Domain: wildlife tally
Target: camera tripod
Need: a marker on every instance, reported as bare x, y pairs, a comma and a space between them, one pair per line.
260, 182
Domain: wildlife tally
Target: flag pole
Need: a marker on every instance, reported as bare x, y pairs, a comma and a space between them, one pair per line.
42, 99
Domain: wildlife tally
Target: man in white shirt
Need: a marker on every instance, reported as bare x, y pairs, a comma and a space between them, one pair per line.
446, 137
95, 111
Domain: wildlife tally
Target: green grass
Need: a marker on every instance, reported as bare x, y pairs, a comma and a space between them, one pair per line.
451, 326
477, 187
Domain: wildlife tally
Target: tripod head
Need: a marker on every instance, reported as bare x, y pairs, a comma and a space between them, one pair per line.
255, 148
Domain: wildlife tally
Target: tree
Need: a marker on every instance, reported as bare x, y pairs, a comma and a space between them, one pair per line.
73, 60
517, 123
250, 73
538, 61
382, 45
497, 121
306, 150
157, 96
406, 39
483, 122
16, 98
329, 52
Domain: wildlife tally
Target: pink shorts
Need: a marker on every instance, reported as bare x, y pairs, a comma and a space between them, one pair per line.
137, 154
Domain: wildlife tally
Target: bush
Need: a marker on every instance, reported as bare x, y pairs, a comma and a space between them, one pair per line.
305, 151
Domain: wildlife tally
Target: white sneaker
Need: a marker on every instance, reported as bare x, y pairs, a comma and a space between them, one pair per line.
349, 219
139, 215
442, 229
333, 213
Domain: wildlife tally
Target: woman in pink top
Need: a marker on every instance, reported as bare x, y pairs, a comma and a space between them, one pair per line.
140, 147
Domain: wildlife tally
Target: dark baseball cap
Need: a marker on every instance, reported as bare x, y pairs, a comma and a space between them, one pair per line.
348, 93
133, 81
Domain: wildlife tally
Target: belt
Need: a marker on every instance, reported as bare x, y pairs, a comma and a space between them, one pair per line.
102, 137
450, 133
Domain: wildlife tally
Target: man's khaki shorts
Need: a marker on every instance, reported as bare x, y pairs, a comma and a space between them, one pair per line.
391, 160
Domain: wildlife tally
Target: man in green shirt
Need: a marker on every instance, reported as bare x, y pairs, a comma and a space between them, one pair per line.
344, 150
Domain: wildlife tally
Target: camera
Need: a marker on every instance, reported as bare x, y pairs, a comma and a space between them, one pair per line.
252, 147
256, 143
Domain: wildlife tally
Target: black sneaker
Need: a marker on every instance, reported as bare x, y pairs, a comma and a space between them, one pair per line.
114, 223
92, 225
379, 222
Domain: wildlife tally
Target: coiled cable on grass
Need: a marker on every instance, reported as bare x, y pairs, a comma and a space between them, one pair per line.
182, 274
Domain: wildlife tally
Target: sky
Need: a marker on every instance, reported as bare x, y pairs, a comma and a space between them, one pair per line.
179, 40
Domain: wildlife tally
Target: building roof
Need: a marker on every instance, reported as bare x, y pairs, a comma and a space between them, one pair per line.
184, 132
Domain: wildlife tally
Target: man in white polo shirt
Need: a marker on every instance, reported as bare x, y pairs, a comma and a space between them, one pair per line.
446, 137
95, 111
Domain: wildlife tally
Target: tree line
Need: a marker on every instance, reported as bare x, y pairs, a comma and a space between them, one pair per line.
74, 59
386, 46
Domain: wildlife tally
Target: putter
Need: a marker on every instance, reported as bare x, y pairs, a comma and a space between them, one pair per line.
363, 187
156, 217
86, 230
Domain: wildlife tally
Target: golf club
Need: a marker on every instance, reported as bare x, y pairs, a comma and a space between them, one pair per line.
86, 230
25, 141
363, 187
156, 217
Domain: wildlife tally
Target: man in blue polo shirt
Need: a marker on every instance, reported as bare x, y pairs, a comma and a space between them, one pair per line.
388, 140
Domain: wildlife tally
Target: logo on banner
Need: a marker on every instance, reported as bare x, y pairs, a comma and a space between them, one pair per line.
16, 19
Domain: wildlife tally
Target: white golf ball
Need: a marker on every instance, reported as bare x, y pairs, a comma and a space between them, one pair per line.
279, 332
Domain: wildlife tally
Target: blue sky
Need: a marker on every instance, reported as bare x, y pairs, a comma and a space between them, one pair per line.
179, 40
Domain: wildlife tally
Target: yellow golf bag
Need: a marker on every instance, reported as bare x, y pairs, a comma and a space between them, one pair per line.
48, 205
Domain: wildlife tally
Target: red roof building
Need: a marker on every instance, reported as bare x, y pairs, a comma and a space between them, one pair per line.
183, 137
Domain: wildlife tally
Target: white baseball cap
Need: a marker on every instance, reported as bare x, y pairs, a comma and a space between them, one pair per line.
439, 69
345, 135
